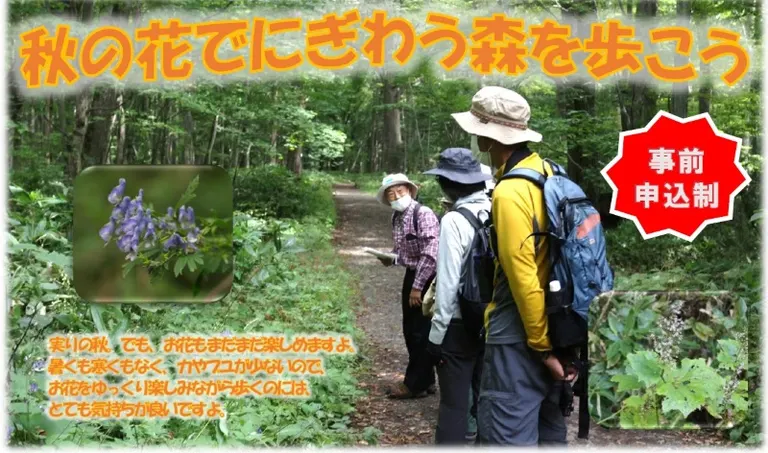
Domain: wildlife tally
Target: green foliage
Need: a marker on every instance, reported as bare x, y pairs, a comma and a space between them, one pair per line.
643, 375
278, 192
287, 279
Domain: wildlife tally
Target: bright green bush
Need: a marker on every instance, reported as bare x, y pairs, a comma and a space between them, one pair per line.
278, 192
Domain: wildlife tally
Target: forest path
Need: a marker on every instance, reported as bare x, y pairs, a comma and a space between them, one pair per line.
363, 222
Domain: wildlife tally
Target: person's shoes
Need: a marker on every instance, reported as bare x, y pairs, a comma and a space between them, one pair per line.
401, 392
432, 389
471, 438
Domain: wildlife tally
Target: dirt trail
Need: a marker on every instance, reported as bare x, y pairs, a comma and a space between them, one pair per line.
363, 222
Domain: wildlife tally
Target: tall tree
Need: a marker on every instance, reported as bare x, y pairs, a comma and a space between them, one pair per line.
679, 99
577, 96
638, 99
391, 126
82, 103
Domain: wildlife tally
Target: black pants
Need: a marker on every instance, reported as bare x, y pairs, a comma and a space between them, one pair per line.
419, 374
460, 371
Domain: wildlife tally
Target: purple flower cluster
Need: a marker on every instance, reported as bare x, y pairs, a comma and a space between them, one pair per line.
135, 227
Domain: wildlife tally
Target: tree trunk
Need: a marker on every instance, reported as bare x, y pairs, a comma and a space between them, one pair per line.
393, 139
82, 104
679, 100
16, 112
214, 129
705, 80
235, 160
77, 141
372, 153
248, 156
638, 99
97, 139
577, 96
273, 154
121, 132
294, 157
170, 136
189, 142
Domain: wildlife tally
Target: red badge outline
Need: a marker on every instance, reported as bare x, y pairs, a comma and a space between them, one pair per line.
732, 196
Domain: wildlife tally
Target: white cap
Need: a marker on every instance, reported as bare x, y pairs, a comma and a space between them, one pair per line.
554, 286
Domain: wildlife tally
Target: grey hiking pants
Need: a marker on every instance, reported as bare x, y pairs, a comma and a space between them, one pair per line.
519, 399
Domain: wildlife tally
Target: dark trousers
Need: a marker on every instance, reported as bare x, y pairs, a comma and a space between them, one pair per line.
460, 371
519, 400
420, 373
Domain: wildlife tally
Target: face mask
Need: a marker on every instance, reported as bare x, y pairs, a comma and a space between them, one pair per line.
401, 203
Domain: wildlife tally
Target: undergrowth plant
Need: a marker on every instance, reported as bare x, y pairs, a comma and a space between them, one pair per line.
287, 279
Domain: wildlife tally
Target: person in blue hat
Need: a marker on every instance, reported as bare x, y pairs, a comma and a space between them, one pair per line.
459, 356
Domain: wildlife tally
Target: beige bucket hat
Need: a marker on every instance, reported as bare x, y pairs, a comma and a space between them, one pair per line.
395, 180
498, 113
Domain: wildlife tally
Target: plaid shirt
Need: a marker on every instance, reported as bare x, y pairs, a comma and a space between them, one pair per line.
416, 252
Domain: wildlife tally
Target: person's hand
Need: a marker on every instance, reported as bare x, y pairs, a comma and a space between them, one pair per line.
557, 371
414, 299
435, 352
385, 261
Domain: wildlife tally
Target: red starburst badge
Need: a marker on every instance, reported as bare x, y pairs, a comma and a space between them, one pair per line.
676, 176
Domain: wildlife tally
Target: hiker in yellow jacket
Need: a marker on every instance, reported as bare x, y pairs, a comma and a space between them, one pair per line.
521, 381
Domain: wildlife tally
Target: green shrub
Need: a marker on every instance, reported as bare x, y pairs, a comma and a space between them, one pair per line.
278, 192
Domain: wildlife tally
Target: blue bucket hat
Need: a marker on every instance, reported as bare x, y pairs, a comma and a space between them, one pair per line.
459, 165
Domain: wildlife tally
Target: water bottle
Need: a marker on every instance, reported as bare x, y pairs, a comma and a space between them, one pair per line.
555, 298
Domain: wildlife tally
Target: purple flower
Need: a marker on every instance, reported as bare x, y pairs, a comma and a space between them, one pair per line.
140, 196
135, 241
125, 243
226, 333
193, 235
117, 192
174, 241
150, 232
107, 230
169, 212
182, 215
191, 215
38, 365
33, 387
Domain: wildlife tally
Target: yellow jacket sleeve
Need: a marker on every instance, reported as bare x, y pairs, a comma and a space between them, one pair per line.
513, 213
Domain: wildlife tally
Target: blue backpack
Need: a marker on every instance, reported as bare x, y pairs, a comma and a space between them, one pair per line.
578, 258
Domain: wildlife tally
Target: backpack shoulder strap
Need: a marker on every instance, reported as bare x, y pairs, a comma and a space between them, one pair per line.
471, 218
416, 217
525, 173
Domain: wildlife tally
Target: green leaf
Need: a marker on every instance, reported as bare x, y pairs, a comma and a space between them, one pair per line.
178, 268
635, 401
127, 267
728, 354
290, 432
645, 366
703, 331
223, 426
192, 264
96, 312
613, 353
56, 258
626, 382
188, 194
679, 398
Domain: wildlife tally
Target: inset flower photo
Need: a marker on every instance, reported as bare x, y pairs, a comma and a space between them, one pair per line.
668, 360
153, 234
